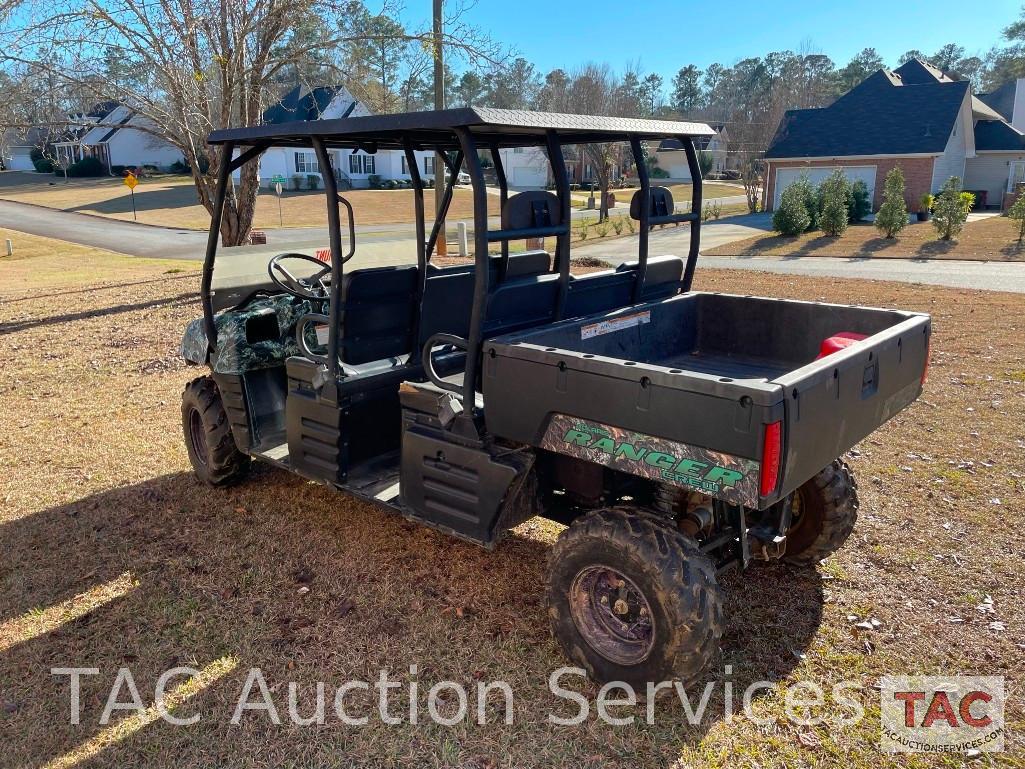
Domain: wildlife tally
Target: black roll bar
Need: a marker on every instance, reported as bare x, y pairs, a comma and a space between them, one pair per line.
480, 258
645, 218
503, 197
421, 243
227, 167
562, 242
446, 200
696, 202
211, 246
335, 236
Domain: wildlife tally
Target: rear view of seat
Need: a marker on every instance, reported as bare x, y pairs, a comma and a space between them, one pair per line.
663, 276
378, 313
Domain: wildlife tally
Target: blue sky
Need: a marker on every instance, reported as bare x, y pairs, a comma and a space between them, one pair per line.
557, 33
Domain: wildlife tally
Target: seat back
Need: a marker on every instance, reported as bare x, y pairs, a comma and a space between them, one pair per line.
661, 202
531, 208
521, 303
378, 313
662, 277
598, 292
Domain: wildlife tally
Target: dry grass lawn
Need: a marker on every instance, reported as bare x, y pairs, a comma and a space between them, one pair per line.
111, 555
992, 239
171, 202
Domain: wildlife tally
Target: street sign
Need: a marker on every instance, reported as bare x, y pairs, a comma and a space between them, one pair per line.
279, 179
130, 181
277, 188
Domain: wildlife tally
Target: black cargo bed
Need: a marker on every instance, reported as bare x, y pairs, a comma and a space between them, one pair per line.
707, 372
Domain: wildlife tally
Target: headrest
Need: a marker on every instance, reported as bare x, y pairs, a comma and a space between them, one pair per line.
532, 208
661, 203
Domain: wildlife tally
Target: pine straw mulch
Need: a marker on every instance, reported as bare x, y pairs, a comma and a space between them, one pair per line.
112, 555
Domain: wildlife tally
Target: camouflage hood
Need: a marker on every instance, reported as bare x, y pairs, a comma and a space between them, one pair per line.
235, 354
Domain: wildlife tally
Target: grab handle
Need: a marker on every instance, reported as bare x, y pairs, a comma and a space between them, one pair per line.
428, 359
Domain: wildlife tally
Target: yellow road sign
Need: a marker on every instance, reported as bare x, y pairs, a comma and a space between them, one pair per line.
131, 181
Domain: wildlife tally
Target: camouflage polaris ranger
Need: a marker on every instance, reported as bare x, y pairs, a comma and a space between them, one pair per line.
676, 433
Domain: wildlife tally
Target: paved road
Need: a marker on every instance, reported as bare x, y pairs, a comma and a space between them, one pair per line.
391, 244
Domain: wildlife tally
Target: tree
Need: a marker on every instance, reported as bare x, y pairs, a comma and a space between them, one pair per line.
836, 200
1006, 64
686, 89
593, 92
859, 68
515, 86
791, 216
207, 64
892, 216
705, 162
651, 93
469, 90
554, 94
949, 213
1017, 213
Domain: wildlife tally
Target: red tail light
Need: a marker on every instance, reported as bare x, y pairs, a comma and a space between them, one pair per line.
772, 455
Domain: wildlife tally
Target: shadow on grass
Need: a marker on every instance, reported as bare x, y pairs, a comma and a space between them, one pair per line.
24, 325
309, 585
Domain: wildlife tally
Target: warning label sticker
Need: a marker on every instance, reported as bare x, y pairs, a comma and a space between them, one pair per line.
614, 324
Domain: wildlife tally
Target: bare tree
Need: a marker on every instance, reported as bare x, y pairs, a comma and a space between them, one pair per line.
593, 91
201, 65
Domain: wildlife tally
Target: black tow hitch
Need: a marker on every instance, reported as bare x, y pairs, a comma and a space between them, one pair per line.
767, 541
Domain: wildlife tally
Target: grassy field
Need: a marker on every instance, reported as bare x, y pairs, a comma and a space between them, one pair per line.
112, 555
992, 239
171, 202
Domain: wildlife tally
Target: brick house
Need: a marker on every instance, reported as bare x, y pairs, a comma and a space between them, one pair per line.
915, 117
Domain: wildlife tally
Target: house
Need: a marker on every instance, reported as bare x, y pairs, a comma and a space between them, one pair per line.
915, 117
16, 148
671, 158
354, 169
116, 136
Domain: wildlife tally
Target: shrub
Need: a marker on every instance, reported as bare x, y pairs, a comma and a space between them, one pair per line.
836, 203
1017, 213
861, 203
297, 182
86, 167
36, 154
179, 167
312, 181
657, 172
949, 214
791, 218
967, 201
44, 166
374, 181
617, 225
925, 202
630, 224
582, 229
602, 228
893, 213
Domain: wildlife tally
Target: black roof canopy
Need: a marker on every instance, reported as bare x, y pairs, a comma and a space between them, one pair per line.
435, 129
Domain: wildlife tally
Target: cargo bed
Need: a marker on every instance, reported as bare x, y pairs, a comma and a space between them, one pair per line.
703, 374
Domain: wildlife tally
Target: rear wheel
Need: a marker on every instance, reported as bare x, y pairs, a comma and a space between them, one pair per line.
823, 513
632, 599
212, 451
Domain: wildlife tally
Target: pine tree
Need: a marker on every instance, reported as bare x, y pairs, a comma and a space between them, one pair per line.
893, 213
949, 213
836, 200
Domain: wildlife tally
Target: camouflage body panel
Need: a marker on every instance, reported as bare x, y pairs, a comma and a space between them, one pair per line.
234, 353
730, 478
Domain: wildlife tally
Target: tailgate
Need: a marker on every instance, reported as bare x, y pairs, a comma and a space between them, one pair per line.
836, 401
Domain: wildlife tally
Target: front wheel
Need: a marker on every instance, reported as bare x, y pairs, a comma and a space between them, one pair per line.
212, 451
823, 513
632, 599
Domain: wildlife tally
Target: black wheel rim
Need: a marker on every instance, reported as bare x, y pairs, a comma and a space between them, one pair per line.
612, 615
197, 435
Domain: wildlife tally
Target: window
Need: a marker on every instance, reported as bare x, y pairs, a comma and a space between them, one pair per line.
518, 150
405, 168
429, 164
1017, 175
361, 164
306, 163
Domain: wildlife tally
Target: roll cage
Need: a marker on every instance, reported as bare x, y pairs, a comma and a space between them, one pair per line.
458, 135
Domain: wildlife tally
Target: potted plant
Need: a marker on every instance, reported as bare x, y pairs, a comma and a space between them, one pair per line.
925, 207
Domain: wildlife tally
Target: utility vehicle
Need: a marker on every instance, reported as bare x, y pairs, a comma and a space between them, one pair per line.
677, 433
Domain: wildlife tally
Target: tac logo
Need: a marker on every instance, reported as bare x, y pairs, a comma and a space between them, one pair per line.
935, 714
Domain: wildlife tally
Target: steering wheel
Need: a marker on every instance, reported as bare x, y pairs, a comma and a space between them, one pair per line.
312, 287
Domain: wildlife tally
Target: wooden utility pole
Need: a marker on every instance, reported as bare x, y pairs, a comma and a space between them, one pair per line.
439, 103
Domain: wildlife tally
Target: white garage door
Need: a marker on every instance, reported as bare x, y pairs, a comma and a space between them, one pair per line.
787, 176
